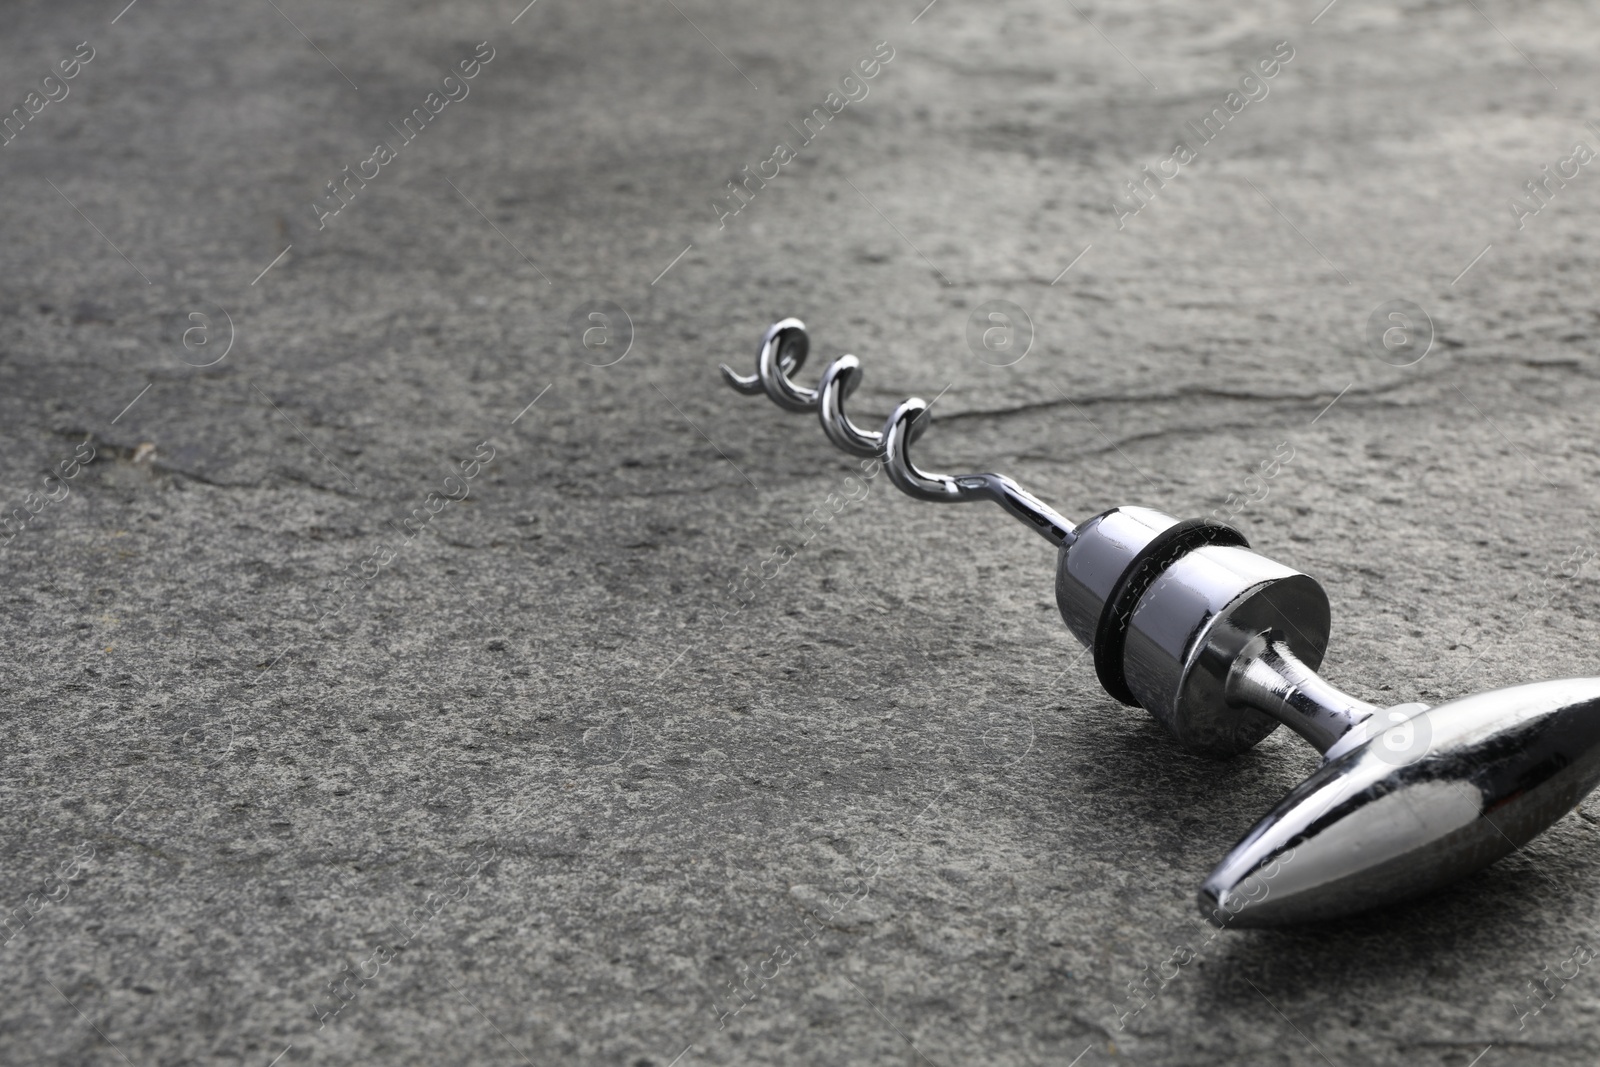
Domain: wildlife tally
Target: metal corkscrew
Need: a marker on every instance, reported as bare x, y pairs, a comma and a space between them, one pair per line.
1222, 645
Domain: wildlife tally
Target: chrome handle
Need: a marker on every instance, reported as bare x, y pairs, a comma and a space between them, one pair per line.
1413, 807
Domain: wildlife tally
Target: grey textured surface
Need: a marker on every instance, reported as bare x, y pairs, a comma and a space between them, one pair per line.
532, 782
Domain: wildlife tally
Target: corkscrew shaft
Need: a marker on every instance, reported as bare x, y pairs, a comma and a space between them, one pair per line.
783, 350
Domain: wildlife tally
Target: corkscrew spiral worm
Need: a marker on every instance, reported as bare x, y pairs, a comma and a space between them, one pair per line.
784, 348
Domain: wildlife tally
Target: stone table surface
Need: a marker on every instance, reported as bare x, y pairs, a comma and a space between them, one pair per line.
357, 711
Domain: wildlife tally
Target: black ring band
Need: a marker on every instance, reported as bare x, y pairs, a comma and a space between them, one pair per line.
1165, 549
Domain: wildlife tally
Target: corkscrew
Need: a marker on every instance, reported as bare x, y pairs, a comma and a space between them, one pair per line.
1222, 646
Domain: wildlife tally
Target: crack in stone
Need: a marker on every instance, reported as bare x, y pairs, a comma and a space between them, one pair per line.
1158, 398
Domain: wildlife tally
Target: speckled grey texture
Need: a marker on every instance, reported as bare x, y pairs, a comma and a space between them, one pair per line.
528, 788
